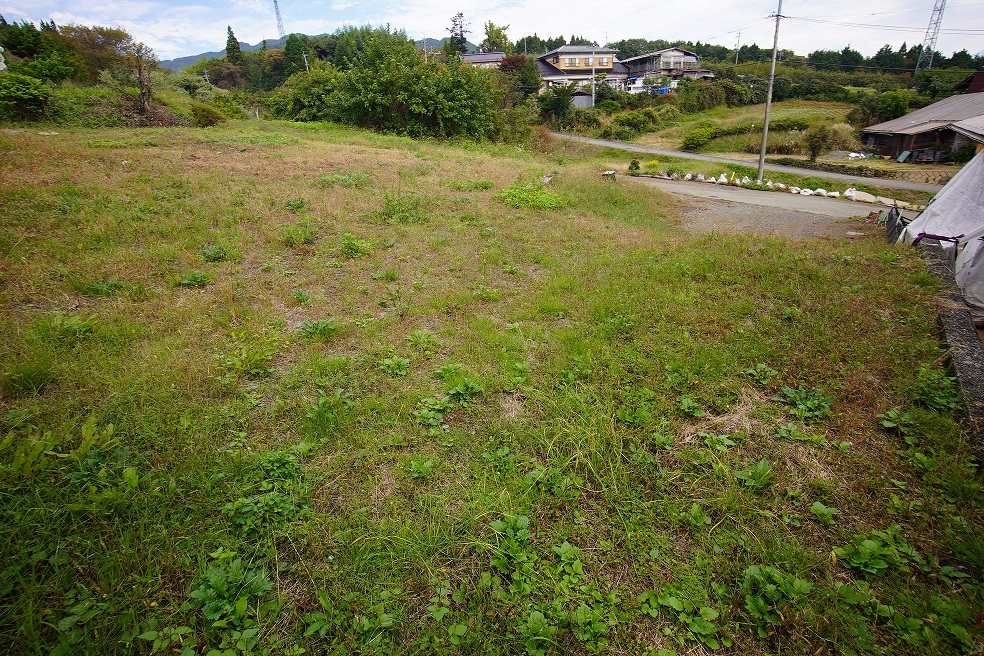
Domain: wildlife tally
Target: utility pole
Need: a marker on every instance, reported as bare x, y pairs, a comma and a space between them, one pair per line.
768, 95
737, 47
592, 76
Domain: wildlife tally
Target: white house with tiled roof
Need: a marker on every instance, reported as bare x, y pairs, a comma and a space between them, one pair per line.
671, 64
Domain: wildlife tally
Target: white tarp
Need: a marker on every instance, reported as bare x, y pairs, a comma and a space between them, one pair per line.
958, 209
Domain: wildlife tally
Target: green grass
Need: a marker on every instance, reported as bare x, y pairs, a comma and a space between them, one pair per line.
508, 428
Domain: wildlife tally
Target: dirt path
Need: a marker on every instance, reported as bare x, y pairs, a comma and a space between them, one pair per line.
719, 208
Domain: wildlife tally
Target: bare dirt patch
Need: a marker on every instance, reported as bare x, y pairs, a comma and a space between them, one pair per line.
720, 208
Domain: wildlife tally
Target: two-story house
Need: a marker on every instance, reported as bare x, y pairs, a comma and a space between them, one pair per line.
579, 65
668, 64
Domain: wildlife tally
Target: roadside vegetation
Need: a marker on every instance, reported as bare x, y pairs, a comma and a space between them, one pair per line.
270, 387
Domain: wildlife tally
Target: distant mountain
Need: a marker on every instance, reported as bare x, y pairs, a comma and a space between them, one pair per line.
184, 62
437, 44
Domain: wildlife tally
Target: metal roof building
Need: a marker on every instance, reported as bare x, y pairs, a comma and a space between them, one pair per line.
931, 131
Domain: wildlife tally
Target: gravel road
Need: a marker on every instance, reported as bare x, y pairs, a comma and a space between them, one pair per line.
719, 208
852, 179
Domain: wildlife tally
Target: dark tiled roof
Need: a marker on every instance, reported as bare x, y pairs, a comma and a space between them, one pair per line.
547, 70
482, 57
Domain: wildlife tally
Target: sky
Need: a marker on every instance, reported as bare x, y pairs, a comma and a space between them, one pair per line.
189, 27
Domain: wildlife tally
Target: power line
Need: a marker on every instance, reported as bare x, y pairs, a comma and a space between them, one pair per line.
911, 11
896, 28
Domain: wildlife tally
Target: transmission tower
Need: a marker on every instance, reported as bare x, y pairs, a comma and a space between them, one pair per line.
280, 20
929, 42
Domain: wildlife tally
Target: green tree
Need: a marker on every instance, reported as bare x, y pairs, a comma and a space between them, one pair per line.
581, 41
893, 104
21, 39
824, 60
818, 141
850, 59
525, 71
293, 56
495, 39
962, 59
888, 59
234, 55
556, 104
53, 68
735, 93
99, 49
392, 88
457, 43
534, 45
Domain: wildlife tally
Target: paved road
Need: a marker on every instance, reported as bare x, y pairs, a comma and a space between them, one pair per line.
852, 179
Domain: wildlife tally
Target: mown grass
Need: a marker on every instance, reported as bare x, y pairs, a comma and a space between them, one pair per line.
488, 429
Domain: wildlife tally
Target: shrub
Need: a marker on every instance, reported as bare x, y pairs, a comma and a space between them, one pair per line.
608, 106
699, 138
818, 141
22, 97
844, 137
618, 132
635, 120
97, 107
206, 115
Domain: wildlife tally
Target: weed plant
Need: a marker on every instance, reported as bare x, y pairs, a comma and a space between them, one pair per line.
596, 433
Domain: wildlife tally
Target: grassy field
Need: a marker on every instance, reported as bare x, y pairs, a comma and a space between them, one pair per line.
809, 111
279, 389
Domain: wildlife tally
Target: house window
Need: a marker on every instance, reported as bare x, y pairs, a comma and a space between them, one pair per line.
603, 61
556, 60
589, 61
570, 61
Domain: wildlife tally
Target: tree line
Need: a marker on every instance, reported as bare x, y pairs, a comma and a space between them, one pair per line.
376, 77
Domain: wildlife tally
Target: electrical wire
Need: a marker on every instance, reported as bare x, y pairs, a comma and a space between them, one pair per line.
895, 28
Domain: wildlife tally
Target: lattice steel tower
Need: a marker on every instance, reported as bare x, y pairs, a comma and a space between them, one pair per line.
280, 21
929, 43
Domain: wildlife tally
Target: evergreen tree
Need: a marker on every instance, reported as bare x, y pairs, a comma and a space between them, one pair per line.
850, 59
457, 44
233, 54
293, 55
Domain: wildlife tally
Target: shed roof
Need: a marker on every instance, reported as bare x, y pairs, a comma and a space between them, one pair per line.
971, 127
933, 117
